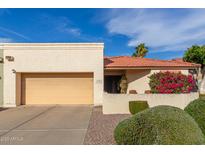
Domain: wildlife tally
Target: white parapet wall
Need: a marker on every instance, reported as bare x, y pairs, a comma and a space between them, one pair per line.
119, 103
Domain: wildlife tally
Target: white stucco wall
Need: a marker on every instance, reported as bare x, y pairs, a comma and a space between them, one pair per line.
64, 57
138, 79
119, 103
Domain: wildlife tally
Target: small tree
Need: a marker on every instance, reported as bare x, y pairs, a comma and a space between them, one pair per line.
196, 54
141, 51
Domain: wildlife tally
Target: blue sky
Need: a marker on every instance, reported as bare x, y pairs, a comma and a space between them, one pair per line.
166, 32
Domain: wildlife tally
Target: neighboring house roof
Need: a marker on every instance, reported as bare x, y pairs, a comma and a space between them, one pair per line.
136, 62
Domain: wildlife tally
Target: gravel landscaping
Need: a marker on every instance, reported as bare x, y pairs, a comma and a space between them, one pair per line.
101, 127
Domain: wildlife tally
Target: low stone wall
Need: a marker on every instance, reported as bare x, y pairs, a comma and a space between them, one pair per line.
118, 103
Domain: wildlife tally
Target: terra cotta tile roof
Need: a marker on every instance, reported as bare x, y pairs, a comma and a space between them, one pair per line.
131, 62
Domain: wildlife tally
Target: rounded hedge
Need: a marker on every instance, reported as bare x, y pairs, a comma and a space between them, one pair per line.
159, 125
202, 96
137, 106
196, 109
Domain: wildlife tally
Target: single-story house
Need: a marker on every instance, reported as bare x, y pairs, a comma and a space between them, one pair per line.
72, 73
137, 71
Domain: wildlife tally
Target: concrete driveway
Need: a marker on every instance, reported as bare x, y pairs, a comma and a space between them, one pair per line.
55, 124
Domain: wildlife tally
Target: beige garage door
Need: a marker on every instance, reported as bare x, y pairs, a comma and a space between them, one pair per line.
57, 88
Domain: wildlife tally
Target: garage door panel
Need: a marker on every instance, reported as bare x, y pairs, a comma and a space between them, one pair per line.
57, 88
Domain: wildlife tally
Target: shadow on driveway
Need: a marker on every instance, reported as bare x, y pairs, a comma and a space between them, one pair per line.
2, 109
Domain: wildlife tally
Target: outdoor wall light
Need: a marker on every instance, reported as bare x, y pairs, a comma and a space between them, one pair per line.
13, 70
10, 58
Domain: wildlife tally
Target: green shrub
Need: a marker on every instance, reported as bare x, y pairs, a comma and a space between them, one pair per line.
202, 96
137, 106
159, 125
197, 110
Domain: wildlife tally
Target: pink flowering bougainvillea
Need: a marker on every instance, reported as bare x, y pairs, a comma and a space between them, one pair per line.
170, 82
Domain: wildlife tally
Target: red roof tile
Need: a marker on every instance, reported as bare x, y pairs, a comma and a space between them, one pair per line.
127, 61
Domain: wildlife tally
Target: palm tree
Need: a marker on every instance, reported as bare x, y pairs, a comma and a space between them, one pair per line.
141, 51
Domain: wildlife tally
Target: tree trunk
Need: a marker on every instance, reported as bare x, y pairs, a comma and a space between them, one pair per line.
202, 85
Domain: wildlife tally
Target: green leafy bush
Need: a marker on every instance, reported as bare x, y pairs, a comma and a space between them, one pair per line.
197, 110
159, 125
137, 106
202, 96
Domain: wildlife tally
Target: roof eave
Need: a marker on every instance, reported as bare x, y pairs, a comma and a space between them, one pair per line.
150, 67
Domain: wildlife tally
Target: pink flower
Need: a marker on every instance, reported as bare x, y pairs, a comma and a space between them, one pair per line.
170, 82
